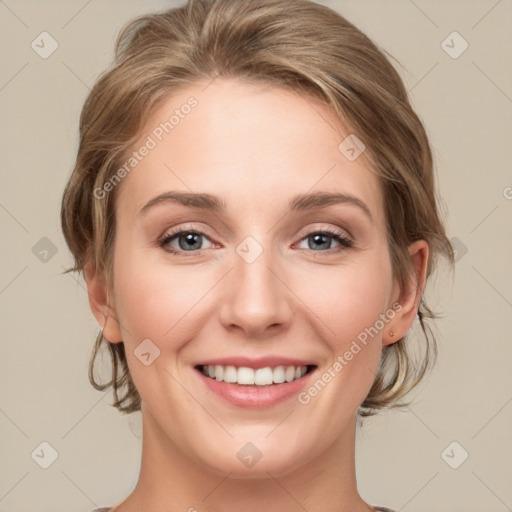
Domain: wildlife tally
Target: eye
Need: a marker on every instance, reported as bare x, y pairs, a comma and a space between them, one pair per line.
192, 240
323, 240
184, 240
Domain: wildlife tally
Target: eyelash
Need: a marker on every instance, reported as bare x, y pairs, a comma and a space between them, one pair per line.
344, 241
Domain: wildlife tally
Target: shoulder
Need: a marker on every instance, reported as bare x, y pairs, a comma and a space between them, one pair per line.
105, 509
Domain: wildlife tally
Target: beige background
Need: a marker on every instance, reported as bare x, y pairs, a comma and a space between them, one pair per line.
47, 329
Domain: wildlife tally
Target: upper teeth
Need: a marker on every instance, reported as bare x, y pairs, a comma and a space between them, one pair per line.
260, 377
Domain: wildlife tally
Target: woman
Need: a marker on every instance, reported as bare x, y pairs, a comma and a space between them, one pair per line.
253, 209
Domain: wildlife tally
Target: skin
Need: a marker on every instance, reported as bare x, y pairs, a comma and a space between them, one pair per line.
255, 147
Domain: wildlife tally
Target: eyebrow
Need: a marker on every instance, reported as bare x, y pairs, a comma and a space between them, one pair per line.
298, 202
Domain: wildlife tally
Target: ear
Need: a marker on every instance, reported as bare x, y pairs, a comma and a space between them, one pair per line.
99, 301
409, 297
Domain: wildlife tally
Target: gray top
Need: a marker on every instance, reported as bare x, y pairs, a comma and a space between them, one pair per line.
377, 509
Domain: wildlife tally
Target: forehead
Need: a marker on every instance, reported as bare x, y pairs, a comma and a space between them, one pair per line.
253, 145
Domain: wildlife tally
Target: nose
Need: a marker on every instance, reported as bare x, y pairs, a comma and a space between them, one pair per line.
257, 300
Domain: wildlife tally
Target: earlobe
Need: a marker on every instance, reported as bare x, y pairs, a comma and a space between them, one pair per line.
409, 297
99, 302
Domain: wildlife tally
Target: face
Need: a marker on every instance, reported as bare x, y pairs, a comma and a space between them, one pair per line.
241, 262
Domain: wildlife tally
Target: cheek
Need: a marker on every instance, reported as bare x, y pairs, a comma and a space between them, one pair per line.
348, 298
349, 302
159, 301
168, 302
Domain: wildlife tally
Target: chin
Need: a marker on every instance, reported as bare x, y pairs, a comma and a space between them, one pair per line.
250, 461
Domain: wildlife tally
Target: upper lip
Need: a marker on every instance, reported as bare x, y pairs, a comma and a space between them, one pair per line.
255, 363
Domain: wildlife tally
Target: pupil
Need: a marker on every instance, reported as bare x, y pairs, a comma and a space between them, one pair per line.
318, 239
191, 239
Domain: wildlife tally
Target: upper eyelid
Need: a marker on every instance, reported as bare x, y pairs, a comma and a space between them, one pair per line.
332, 232
200, 231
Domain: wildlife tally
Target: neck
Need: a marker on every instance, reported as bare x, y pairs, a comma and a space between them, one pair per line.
171, 480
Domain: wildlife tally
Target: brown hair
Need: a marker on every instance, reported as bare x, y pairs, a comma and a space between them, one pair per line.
305, 47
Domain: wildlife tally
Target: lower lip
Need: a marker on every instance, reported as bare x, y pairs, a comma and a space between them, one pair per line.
256, 396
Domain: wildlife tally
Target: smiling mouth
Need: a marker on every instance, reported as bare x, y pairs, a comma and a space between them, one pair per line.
261, 377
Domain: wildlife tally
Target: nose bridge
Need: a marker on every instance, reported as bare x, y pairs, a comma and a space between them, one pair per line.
256, 298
